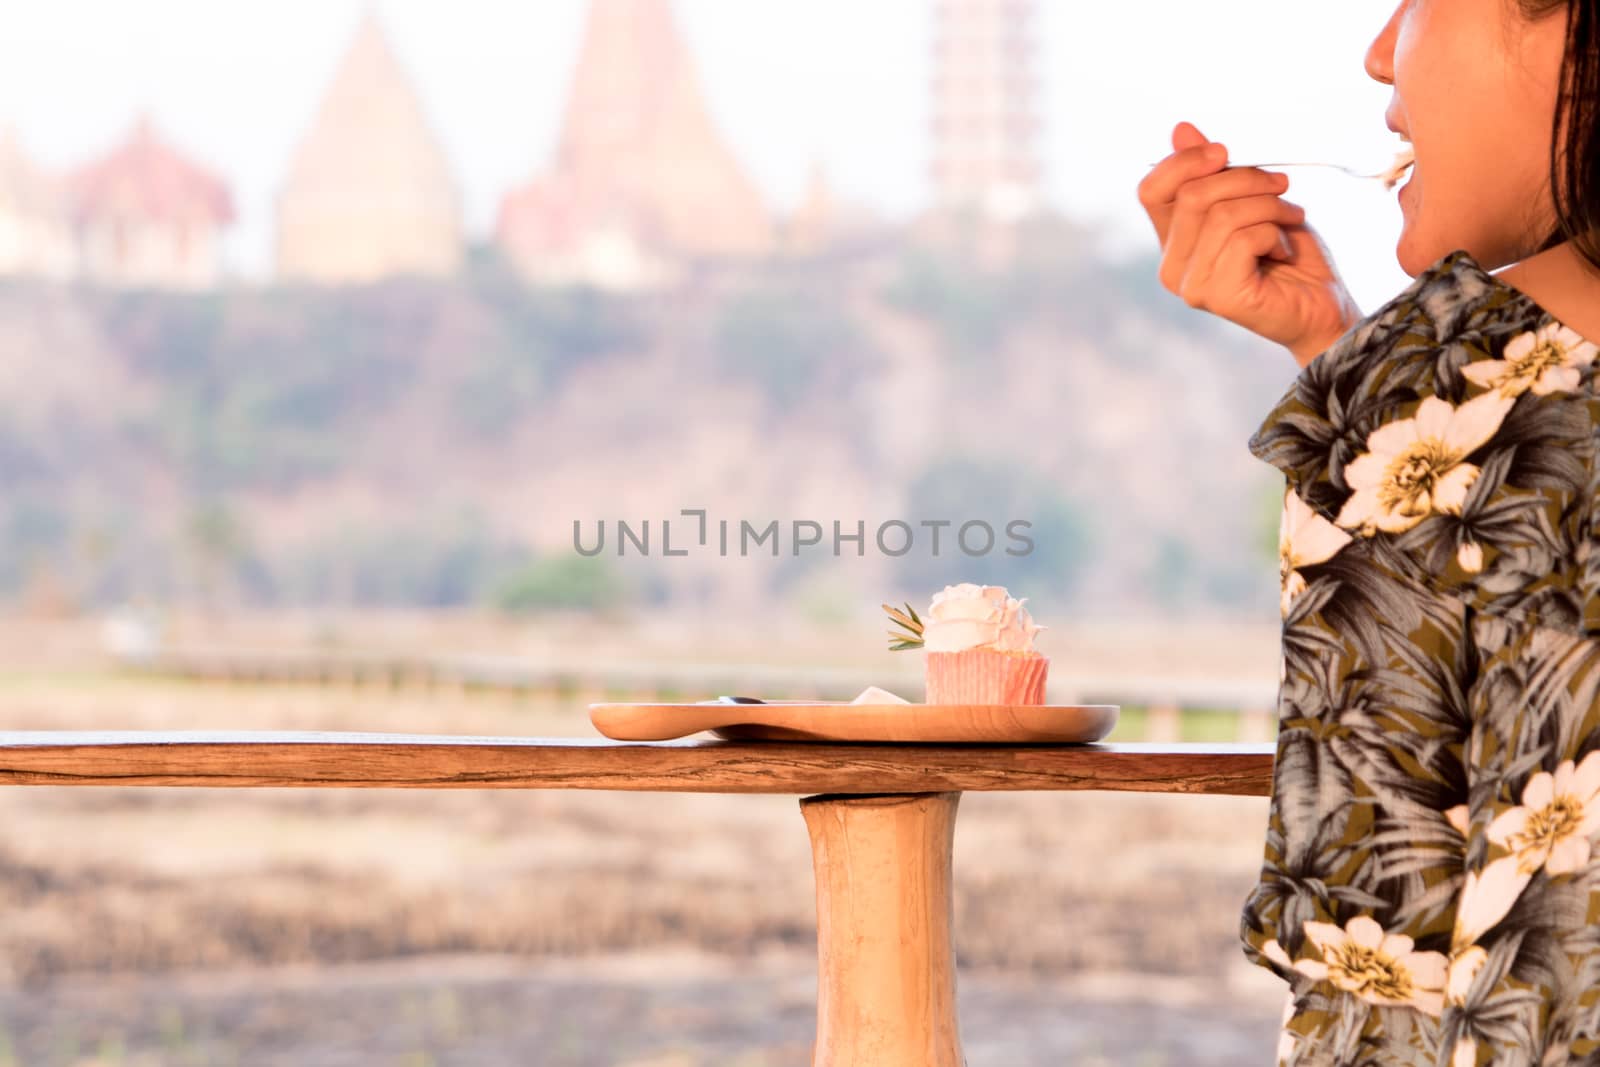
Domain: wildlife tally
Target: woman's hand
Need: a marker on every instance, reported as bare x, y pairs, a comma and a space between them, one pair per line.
1232, 246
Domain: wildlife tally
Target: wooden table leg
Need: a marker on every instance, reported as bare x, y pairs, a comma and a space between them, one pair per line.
886, 980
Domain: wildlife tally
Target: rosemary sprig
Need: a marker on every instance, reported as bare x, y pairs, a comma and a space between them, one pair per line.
908, 622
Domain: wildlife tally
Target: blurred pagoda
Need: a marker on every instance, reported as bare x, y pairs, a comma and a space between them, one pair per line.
812, 224
641, 182
35, 237
145, 215
826, 224
369, 192
984, 124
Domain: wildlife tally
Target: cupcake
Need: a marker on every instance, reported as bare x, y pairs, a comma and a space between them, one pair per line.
977, 644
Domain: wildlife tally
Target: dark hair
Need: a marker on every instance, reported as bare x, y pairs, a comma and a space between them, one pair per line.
1575, 164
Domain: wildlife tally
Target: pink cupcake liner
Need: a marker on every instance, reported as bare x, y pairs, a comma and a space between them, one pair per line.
985, 676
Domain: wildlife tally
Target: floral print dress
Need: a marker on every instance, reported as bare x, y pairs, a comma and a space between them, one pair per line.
1431, 882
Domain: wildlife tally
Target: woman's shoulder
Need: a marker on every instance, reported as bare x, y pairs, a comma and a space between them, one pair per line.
1452, 313
1456, 425
1415, 346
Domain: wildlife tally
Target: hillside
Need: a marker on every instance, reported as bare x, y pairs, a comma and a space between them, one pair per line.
414, 442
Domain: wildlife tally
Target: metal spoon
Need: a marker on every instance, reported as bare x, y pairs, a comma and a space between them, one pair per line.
1336, 166
1390, 175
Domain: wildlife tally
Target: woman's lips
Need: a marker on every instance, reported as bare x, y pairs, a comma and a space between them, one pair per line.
1400, 193
1403, 161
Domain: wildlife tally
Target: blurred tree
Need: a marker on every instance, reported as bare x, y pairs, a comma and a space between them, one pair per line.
442, 560
968, 307
826, 597
215, 542
539, 336
20, 458
961, 488
1172, 572
788, 340
562, 582
33, 531
975, 298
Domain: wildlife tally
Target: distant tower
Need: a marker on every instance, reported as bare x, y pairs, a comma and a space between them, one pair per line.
985, 126
641, 175
145, 215
369, 191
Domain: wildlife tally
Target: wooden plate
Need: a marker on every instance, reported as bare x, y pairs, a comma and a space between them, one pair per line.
797, 720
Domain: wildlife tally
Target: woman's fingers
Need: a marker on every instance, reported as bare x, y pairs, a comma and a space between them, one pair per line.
1238, 198
1158, 191
1216, 261
1218, 223
1187, 135
1195, 201
1231, 215
1237, 263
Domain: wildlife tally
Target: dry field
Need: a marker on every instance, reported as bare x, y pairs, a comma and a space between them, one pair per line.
411, 928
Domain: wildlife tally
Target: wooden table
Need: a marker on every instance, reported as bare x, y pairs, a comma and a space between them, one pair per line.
881, 818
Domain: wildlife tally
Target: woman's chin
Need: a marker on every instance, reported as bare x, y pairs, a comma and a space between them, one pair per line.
1412, 255
1411, 250
1417, 250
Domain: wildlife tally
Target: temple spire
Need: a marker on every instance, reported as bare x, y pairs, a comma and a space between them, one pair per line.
639, 159
369, 191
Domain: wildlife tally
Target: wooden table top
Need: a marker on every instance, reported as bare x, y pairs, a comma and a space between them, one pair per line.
692, 765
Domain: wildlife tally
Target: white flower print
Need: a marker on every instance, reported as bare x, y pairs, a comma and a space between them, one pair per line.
1286, 1036
1379, 968
1553, 825
1540, 361
1466, 1053
1552, 829
1470, 556
1414, 467
1485, 898
1304, 538
1464, 967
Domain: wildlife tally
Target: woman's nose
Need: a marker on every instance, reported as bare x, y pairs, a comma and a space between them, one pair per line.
1379, 61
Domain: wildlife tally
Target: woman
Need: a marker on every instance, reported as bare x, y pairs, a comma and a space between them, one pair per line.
1431, 883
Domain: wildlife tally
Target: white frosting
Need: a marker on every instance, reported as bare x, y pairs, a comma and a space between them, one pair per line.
873, 695
977, 616
1402, 163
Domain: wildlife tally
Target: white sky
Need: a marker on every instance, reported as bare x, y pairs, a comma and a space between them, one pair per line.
789, 81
